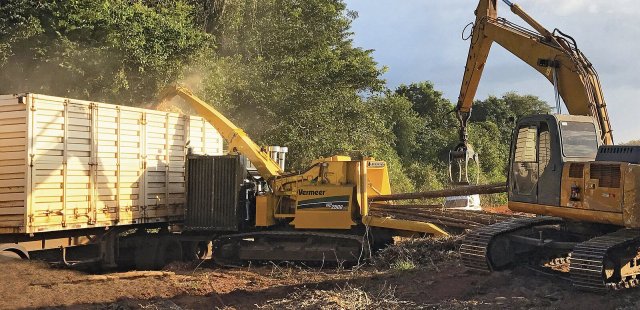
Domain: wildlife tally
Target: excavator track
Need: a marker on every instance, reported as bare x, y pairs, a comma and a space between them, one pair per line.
298, 246
475, 246
593, 264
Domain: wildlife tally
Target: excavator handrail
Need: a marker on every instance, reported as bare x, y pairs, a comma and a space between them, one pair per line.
237, 140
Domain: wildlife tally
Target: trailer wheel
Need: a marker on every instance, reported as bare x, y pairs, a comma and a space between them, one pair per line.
169, 250
194, 250
145, 252
204, 249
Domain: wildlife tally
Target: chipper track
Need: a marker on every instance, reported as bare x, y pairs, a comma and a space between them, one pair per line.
316, 247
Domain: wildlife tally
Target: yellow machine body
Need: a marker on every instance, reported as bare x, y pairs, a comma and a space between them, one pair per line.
332, 194
598, 192
324, 206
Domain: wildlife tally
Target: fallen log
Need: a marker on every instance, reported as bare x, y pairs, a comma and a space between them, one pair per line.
442, 217
447, 223
441, 210
457, 191
464, 217
400, 206
439, 215
130, 275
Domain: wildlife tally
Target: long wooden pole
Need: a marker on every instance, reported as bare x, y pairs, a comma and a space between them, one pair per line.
457, 191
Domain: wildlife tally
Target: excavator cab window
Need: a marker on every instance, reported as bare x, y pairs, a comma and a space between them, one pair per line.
544, 147
525, 161
579, 139
531, 161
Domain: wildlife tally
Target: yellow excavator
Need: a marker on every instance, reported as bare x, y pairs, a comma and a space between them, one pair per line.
257, 212
562, 168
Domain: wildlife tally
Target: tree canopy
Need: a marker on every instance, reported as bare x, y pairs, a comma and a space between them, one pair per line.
286, 71
118, 51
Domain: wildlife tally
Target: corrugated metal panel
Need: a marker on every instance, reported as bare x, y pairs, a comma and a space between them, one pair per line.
86, 164
213, 188
13, 163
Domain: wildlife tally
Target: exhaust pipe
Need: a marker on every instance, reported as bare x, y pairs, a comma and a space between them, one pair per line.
278, 154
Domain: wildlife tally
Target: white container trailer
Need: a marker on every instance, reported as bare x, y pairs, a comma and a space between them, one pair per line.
69, 164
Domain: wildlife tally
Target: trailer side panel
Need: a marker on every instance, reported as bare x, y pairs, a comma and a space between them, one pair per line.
73, 164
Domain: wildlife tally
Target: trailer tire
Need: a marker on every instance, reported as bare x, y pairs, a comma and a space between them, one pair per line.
195, 250
169, 250
203, 249
145, 252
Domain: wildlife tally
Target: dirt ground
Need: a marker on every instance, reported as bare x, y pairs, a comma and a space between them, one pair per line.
403, 281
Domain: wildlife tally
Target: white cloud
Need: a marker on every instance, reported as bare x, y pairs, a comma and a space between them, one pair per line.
573, 7
561, 8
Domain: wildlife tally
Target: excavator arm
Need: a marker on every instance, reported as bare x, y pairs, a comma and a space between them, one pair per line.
236, 138
553, 54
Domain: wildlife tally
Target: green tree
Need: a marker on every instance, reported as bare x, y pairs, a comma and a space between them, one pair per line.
424, 136
284, 70
288, 73
404, 122
117, 51
421, 122
493, 153
436, 134
506, 110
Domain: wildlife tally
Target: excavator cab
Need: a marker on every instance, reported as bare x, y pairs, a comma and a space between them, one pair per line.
540, 147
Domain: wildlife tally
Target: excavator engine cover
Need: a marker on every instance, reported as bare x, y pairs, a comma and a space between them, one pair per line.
619, 153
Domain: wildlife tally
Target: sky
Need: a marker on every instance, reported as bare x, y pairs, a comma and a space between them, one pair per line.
421, 40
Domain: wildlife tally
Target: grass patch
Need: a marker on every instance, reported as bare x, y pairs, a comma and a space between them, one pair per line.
419, 253
403, 265
347, 297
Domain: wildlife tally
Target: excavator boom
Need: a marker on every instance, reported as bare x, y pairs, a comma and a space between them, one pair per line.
553, 54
